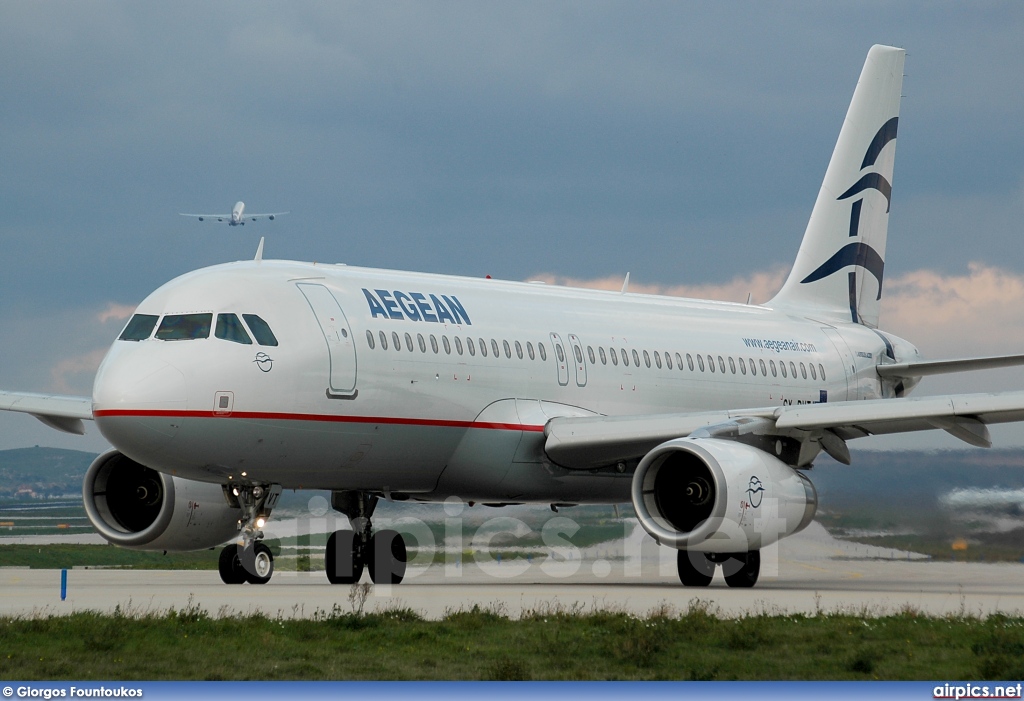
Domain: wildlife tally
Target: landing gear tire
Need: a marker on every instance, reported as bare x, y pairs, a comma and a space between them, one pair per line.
343, 558
258, 563
230, 565
386, 557
695, 569
742, 569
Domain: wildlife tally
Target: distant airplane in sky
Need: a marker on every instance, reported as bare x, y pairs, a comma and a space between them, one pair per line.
237, 216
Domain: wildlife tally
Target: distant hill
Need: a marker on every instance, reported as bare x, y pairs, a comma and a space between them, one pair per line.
43, 471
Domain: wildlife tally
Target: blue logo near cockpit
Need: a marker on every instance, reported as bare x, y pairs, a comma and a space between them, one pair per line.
264, 362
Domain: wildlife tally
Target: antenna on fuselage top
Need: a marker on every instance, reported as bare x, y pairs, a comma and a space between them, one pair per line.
259, 251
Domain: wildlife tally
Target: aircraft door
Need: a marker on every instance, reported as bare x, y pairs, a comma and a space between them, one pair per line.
341, 348
846, 358
581, 363
560, 359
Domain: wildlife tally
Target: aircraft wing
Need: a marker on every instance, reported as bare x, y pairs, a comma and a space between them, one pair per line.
940, 367
57, 411
206, 216
594, 441
270, 215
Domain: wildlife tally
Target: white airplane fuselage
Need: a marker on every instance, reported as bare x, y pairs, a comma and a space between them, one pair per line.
237, 214
419, 414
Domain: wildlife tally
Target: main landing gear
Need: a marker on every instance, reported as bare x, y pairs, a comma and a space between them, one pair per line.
740, 569
350, 552
251, 560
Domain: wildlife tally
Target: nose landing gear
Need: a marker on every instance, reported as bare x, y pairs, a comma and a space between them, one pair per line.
251, 560
350, 552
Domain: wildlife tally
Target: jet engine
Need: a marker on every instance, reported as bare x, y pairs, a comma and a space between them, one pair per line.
137, 507
714, 495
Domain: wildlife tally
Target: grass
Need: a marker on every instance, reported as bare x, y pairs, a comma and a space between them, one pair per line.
546, 644
68, 556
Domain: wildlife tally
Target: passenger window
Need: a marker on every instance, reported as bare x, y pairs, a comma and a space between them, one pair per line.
183, 327
494, 348
458, 345
814, 373
229, 328
771, 364
615, 356
625, 358
743, 366
447, 345
721, 364
369, 338
383, 341
433, 344
821, 369
636, 358
519, 350
422, 343
408, 342
560, 353
782, 368
668, 360
700, 362
763, 370
732, 366
647, 358
471, 347
590, 353
543, 352
396, 342
261, 330
604, 356
139, 328
753, 367
579, 355
657, 359
508, 349
529, 349
711, 363
792, 369
803, 371
689, 362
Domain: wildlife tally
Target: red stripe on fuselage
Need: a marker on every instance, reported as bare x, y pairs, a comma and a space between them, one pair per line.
327, 418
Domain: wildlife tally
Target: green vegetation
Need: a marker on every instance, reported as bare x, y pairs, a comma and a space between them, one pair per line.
550, 643
68, 556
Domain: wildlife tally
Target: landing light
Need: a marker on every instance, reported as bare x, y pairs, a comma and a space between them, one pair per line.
261, 522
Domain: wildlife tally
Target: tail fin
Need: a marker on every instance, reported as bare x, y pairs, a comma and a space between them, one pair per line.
837, 275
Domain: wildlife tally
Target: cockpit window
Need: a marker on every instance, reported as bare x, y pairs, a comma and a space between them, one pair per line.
261, 330
230, 329
179, 327
139, 328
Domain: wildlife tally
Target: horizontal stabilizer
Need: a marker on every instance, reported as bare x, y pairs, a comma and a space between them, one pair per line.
942, 367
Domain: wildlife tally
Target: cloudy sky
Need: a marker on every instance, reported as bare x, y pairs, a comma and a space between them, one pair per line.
683, 142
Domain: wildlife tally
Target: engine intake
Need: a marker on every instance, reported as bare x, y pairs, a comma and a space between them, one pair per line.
719, 496
134, 506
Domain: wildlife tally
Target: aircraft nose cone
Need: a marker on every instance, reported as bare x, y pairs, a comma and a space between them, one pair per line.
138, 399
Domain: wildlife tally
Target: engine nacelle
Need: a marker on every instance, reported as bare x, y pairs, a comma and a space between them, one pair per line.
715, 495
137, 507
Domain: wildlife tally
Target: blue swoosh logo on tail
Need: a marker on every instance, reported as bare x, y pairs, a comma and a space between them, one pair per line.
859, 254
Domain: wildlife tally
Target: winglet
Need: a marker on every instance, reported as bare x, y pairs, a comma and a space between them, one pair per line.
259, 251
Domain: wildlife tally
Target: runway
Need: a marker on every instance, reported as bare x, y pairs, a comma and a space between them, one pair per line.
808, 573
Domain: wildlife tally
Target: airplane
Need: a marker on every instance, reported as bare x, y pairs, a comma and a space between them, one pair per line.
233, 382
237, 216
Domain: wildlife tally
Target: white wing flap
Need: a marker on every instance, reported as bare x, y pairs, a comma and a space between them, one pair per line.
589, 442
57, 411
